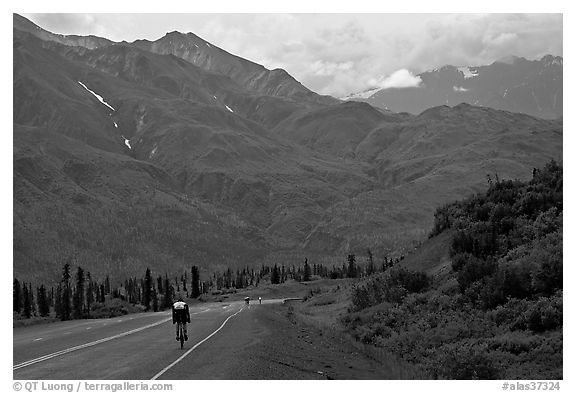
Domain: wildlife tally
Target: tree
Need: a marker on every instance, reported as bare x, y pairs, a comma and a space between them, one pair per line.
195, 281
89, 293
17, 296
27, 303
65, 306
168, 293
78, 302
275, 276
32, 303
154, 299
107, 286
306, 275
102, 294
43, 305
371, 269
58, 301
147, 290
352, 273
159, 280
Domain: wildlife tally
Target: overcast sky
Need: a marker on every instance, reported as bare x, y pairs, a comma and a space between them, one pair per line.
340, 53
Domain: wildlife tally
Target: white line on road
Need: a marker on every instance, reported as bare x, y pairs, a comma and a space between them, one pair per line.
90, 344
194, 347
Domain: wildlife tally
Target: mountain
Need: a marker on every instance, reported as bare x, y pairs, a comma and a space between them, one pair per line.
253, 77
91, 42
148, 154
428, 160
336, 129
513, 84
112, 115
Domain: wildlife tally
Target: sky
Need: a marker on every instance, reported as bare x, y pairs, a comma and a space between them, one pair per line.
338, 54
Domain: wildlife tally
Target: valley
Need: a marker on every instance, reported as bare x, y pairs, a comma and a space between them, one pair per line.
242, 156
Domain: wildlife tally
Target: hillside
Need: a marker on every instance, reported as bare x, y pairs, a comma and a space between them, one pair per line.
490, 303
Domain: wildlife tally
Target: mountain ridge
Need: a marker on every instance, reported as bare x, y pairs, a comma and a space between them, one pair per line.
516, 84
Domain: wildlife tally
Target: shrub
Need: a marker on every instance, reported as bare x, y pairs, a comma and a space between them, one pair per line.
468, 361
544, 314
474, 270
392, 286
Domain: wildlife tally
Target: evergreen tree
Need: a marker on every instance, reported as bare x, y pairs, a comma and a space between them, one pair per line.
275, 276
159, 280
154, 299
352, 271
43, 306
32, 302
78, 302
306, 275
147, 290
370, 269
17, 296
102, 294
27, 303
65, 306
195, 282
168, 289
58, 301
89, 293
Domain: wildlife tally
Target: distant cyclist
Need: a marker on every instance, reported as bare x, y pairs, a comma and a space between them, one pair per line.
180, 314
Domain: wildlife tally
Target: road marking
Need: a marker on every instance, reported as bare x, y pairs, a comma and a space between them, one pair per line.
90, 344
194, 347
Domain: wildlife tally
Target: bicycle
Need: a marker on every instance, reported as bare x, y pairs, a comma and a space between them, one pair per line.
181, 333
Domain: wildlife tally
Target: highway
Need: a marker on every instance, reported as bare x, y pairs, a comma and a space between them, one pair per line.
139, 346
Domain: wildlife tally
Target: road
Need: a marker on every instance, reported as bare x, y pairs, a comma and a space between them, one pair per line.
139, 346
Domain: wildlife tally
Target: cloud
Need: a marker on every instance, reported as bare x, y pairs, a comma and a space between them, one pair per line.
400, 79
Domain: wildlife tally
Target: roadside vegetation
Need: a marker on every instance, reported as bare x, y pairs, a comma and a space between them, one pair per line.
498, 313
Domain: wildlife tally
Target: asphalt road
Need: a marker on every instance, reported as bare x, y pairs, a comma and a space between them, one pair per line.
139, 346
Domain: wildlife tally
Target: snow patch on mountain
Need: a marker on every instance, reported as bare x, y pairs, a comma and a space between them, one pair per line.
127, 142
363, 94
153, 152
467, 72
99, 97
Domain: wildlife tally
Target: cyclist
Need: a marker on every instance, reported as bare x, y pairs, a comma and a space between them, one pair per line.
180, 314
